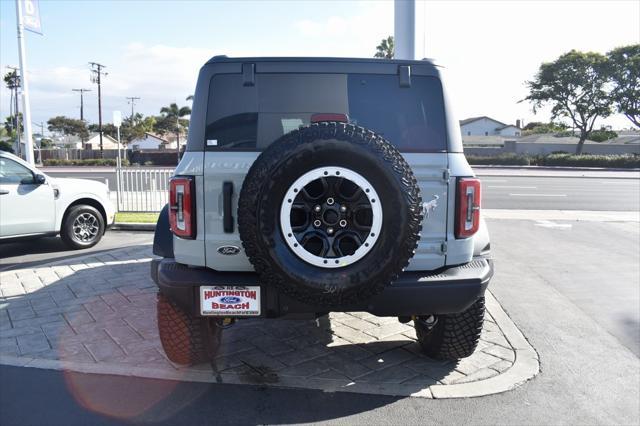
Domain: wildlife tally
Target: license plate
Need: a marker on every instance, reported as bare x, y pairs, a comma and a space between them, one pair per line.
229, 300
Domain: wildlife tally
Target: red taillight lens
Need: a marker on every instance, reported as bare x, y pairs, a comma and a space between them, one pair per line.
182, 207
468, 207
329, 116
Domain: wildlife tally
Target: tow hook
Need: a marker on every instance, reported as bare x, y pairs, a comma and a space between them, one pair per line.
225, 322
429, 321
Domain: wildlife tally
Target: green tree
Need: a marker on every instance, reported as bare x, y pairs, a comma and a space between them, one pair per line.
537, 127
603, 134
68, 126
574, 85
135, 127
10, 124
623, 68
46, 143
107, 129
6, 146
171, 121
385, 48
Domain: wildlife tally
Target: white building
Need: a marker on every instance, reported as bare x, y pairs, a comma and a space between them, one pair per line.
485, 126
150, 141
94, 142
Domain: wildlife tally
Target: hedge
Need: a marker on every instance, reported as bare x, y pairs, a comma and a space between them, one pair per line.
87, 162
590, 160
558, 159
500, 160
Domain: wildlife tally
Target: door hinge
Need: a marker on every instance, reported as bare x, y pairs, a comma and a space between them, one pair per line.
446, 174
443, 247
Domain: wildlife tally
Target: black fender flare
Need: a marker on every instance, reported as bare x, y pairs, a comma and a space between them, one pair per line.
163, 237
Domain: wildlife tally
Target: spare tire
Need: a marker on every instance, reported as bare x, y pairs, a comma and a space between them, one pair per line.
330, 214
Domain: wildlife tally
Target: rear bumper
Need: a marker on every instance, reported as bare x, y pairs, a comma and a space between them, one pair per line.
449, 290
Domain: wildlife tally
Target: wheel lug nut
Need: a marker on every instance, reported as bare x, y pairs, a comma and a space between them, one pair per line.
317, 223
330, 201
329, 231
343, 209
317, 209
343, 223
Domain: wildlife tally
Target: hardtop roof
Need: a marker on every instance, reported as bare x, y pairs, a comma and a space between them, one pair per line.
227, 59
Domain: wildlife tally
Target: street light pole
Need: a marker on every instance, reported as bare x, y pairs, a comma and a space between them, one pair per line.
404, 23
26, 107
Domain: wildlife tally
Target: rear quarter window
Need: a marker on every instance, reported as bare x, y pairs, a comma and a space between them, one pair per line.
251, 117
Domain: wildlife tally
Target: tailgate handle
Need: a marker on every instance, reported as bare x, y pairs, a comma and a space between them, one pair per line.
227, 217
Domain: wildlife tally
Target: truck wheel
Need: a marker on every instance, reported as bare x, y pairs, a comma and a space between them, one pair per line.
186, 339
453, 336
83, 227
330, 214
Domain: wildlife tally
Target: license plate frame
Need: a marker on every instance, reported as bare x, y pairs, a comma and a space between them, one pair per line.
230, 301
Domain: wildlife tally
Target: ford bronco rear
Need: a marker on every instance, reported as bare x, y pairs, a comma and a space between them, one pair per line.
316, 185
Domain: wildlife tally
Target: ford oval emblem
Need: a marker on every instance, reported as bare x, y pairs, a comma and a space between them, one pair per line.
230, 299
229, 250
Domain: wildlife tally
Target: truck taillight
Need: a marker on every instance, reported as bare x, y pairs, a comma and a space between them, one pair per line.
467, 207
182, 207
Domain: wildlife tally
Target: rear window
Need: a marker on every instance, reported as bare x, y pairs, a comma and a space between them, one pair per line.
251, 117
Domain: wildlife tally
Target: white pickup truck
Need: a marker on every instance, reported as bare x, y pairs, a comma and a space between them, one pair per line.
33, 204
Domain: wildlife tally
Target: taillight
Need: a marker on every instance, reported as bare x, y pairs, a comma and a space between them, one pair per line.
182, 207
468, 207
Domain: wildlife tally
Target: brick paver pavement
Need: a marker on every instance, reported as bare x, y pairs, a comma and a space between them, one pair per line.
97, 313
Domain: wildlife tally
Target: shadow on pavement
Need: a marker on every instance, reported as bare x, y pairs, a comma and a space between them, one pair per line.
80, 313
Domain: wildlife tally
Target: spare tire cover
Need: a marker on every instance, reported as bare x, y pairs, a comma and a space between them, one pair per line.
330, 214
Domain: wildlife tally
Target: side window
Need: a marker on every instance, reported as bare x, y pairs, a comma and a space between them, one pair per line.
232, 114
14, 173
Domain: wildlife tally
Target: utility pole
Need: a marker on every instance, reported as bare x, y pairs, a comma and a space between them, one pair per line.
26, 107
81, 101
132, 100
14, 85
96, 77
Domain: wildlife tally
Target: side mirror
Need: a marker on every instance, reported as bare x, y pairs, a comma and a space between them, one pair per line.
40, 179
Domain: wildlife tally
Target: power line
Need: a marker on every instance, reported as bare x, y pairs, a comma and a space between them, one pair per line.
96, 77
81, 101
132, 100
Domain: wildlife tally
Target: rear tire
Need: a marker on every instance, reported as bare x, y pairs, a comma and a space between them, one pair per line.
454, 336
186, 339
83, 227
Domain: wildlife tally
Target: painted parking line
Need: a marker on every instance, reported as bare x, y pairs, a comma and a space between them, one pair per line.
512, 187
552, 225
537, 195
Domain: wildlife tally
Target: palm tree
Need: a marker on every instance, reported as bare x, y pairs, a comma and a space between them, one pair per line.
172, 121
385, 48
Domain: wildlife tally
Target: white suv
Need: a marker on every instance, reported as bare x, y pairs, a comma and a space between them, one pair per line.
33, 204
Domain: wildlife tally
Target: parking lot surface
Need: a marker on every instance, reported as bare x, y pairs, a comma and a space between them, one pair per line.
97, 314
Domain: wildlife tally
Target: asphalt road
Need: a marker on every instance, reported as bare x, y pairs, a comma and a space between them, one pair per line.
573, 291
560, 193
502, 192
20, 254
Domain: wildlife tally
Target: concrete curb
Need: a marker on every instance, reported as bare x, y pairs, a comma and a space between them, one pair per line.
133, 226
563, 168
565, 215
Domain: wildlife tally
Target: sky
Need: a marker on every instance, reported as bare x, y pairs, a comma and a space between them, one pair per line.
154, 49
